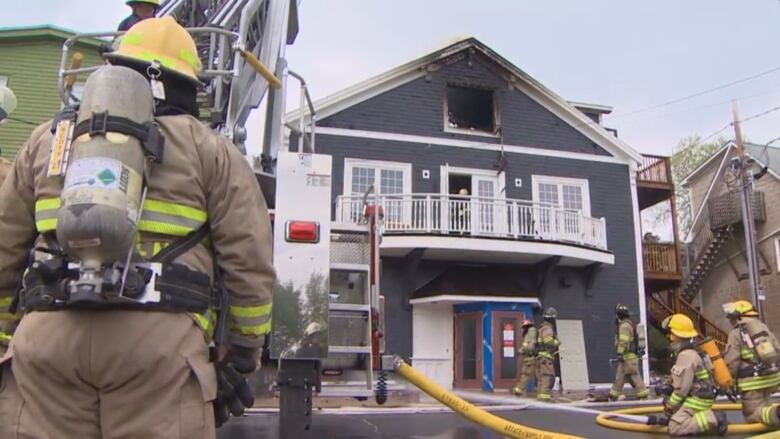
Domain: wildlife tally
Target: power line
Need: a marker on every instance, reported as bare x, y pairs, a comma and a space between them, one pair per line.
691, 96
731, 124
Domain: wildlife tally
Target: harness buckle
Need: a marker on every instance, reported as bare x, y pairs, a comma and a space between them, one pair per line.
98, 123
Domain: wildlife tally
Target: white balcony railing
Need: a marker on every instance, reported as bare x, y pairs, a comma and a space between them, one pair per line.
479, 216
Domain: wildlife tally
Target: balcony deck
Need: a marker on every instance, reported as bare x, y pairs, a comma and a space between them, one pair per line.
498, 229
654, 180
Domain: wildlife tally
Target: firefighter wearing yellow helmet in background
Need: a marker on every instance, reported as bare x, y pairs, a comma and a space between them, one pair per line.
528, 350
627, 348
141, 10
547, 344
138, 369
752, 357
689, 407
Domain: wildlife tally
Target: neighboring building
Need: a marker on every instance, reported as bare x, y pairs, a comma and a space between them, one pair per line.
30, 63
500, 197
717, 264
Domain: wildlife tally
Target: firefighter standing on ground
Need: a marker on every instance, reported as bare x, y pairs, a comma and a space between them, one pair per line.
752, 357
140, 372
627, 348
689, 407
142, 10
547, 345
528, 350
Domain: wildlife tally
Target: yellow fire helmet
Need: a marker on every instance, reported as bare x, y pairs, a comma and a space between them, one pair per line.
740, 308
155, 3
7, 102
679, 325
160, 40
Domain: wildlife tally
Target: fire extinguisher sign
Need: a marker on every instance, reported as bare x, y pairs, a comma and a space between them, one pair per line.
509, 340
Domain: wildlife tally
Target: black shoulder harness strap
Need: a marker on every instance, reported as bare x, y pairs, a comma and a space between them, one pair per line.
181, 246
148, 133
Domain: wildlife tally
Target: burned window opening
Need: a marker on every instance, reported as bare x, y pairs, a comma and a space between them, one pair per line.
470, 109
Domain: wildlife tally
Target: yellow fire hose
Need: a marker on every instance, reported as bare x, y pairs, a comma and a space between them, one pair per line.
470, 411
605, 421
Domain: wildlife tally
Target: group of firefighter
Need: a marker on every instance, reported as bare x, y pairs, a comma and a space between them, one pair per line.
748, 368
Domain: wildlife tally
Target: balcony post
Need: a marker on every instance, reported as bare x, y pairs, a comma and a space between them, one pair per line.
428, 214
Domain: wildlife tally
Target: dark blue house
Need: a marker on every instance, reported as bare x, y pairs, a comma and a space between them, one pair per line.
500, 198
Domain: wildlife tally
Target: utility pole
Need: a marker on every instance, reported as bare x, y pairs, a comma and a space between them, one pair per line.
745, 183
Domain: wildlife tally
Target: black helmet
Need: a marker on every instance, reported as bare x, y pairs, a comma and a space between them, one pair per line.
550, 313
622, 310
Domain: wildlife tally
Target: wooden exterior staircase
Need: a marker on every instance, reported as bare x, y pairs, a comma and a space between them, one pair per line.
703, 251
662, 304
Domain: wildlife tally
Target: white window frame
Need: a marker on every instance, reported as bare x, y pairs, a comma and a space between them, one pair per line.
378, 166
446, 170
3, 81
560, 181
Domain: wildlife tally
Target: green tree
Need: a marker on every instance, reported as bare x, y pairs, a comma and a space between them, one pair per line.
316, 291
287, 316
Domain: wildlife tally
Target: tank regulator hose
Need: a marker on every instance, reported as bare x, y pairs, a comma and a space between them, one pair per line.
381, 388
470, 411
605, 420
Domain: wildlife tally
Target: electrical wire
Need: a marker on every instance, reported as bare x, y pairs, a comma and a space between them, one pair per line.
691, 96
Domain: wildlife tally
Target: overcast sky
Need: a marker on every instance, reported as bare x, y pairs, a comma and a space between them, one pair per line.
627, 54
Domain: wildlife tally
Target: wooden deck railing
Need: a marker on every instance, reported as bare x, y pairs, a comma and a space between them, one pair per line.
660, 258
665, 303
655, 169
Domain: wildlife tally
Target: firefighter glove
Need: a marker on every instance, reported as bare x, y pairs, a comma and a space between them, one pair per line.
234, 394
243, 360
669, 408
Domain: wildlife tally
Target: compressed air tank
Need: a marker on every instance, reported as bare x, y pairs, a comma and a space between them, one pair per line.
762, 343
101, 195
720, 370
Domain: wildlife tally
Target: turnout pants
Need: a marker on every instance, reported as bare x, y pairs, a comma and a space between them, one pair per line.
545, 372
528, 372
756, 407
628, 369
111, 374
687, 422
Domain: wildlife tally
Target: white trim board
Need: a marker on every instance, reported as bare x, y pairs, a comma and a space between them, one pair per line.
640, 268
516, 79
499, 245
459, 298
457, 143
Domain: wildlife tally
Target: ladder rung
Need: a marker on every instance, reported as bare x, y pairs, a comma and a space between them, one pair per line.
349, 307
348, 267
349, 349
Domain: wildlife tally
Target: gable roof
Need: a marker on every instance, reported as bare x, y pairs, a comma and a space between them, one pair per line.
46, 31
764, 155
519, 79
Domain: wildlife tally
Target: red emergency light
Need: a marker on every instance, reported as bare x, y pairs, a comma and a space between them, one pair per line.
303, 231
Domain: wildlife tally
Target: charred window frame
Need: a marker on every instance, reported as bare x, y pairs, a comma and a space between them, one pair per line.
470, 109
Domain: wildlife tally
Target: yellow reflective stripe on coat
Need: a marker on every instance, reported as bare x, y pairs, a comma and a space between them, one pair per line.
251, 320
698, 404
162, 217
759, 382
5, 304
206, 321
675, 399
5, 337
766, 414
702, 374
46, 211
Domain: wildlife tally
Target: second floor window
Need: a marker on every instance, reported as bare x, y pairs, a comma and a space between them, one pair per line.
568, 193
470, 110
390, 180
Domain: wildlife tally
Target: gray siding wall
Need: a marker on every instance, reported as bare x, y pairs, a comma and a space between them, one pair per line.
610, 197
417, 108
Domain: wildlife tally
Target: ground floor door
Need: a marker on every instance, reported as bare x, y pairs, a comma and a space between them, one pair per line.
468, 350
506, 361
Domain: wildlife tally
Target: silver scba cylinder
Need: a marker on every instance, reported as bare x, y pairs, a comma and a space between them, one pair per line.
101, 196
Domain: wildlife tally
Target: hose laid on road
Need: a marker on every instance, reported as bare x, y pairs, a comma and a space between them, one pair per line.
605, 421
470, 411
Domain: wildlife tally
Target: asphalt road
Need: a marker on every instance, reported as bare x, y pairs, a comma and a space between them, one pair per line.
426, 425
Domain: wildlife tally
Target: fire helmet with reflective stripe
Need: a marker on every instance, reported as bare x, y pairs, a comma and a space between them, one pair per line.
679, 325
160, 40
740, 308
155, 3
621, 310
550, 313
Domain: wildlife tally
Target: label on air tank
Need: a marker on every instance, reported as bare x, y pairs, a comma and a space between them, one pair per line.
95, 172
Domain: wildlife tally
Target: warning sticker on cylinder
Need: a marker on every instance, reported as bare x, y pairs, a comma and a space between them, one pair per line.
97, 172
